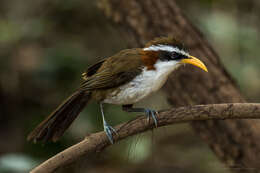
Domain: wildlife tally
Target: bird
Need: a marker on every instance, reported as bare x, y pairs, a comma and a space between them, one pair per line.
122, 79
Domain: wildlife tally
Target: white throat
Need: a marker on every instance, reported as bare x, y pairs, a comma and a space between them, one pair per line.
162, 70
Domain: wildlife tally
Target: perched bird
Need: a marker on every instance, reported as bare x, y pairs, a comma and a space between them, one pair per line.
122, 79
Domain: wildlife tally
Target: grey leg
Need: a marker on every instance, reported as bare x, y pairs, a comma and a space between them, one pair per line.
107, 128
148, 112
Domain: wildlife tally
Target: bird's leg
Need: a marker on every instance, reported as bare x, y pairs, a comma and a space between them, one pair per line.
148, 112
107, 128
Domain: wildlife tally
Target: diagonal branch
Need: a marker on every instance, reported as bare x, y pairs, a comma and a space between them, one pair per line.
98, 141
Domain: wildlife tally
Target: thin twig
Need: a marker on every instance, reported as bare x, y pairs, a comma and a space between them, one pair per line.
98, 141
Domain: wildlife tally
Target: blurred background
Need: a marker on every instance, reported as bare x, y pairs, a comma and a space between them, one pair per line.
45, 46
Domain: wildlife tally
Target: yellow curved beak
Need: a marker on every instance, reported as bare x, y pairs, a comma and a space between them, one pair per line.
196, 62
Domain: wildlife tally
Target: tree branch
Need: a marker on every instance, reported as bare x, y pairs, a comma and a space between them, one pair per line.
98, 141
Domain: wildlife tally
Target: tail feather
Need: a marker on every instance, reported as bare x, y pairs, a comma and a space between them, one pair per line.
53, 127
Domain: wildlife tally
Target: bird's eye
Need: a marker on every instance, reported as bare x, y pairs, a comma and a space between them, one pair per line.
169, 56
176, 56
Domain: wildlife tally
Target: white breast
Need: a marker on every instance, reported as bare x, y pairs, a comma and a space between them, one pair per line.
142, 85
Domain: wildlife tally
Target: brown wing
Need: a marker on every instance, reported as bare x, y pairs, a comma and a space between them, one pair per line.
114, 71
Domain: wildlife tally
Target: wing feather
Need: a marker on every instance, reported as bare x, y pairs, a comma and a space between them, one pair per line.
113, 71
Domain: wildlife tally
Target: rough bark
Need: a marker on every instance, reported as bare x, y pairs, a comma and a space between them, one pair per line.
98, 141
234, 142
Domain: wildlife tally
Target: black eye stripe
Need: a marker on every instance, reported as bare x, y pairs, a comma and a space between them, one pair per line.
167, 56
163, 55
177, 56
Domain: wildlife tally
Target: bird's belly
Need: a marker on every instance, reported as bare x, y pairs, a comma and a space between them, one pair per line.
137, 89
127, 94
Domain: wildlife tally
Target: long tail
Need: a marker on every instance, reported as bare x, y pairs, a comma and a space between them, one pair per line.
53, 127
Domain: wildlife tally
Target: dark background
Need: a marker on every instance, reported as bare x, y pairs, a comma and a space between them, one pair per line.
46, 45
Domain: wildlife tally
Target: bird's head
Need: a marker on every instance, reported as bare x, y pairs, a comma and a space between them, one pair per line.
170, 52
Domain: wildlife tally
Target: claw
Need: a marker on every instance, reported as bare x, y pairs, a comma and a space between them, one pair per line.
152, 113
109, 131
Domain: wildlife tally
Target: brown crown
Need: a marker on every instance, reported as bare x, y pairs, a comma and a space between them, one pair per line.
165, 41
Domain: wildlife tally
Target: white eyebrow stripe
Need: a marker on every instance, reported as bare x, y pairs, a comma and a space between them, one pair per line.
165, 48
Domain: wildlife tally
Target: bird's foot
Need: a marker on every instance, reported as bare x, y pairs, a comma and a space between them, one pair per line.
151, 113
109, 131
